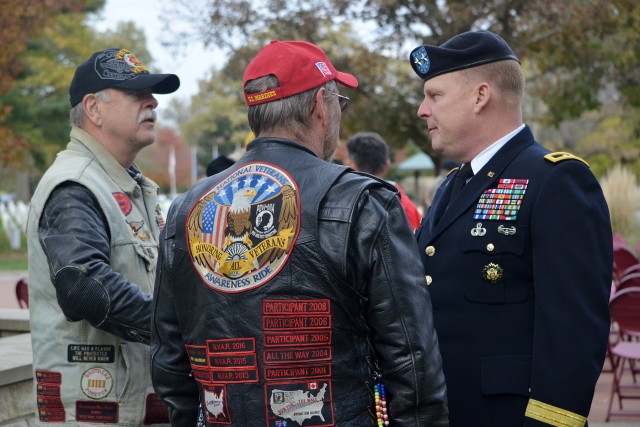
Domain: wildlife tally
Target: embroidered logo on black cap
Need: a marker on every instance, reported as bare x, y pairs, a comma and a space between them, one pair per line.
420, 60
119, 65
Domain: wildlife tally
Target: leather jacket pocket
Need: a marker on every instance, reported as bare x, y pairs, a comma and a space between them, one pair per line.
505, 374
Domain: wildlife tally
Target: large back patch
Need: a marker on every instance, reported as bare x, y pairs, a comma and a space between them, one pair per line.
241, 232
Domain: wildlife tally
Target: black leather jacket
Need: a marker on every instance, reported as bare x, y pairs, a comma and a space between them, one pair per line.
355, 269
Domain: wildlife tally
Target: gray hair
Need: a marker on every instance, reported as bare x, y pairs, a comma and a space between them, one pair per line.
76, 115
291, 114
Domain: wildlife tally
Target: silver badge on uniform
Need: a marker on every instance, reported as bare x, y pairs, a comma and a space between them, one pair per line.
478, 230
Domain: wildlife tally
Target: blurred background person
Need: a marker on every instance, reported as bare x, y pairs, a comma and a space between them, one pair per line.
368, 152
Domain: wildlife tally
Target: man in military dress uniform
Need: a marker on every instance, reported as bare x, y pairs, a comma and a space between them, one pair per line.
516, 248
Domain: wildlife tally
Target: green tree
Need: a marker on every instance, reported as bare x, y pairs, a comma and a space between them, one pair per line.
577, 49
40, 95
22, 22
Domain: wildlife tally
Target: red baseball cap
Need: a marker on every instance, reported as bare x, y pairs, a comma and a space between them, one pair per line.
299, 66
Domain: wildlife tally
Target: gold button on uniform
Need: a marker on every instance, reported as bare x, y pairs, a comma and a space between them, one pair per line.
490, 247
430, 250
428, 279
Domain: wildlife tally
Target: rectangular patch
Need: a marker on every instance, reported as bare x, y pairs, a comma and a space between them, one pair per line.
286, 323
197, 354
291, 355
77, 353
202, 375
285, 372
156, 411
44, 402
96, 412
293, 307
231, 345
55, 415
247, 360
234, 376
48, 377
48, 390
307, 403
215, 404
272, 339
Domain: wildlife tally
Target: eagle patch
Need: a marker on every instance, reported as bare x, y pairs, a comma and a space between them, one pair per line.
241, 232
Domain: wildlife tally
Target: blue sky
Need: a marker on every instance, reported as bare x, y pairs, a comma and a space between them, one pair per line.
192, 65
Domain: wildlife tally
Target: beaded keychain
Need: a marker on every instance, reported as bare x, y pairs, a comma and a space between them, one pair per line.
381, 404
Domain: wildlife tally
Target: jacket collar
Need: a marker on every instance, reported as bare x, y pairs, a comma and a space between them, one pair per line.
83, 141
443, 216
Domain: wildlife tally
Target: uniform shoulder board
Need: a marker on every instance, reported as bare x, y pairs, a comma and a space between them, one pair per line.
559, 156
453, 170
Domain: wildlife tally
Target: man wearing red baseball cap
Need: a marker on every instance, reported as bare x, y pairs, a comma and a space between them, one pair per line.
290, 287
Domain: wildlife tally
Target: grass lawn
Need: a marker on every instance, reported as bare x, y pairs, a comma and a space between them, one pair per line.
11, 259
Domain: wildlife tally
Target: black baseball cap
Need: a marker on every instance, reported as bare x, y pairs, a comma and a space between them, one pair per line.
120, 69
465, 50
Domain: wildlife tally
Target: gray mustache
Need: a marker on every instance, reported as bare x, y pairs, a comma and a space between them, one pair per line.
146, 115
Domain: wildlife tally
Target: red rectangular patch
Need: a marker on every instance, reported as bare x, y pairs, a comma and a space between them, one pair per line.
272, 339
287, 355
48, 377
233, 360
235, 376
295, 323
55, 415
202, 375
96, 412
50, 390
156, 411
197, 354
285, 372
49, 402
284, 307
231, 345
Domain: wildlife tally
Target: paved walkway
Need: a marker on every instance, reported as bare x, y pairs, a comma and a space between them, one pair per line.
597, 416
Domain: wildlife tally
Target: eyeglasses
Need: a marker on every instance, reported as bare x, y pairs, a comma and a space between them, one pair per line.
342, 100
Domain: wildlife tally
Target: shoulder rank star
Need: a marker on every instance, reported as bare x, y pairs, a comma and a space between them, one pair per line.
492, 272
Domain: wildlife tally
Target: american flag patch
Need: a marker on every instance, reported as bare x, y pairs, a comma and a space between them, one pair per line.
324, 69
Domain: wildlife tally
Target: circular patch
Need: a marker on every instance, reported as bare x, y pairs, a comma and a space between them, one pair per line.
96, 383
124, 202
241, 232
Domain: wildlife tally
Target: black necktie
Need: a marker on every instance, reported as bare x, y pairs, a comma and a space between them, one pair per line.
464, 173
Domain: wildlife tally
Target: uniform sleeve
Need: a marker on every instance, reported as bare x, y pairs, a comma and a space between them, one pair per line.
572, 260
399, 311
74, 235
170, 367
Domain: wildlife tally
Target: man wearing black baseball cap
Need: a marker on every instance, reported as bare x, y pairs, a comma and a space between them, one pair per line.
516, 247
93, 231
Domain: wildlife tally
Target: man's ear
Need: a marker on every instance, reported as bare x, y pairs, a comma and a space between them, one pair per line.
483, 94
91, 108
386, 167
320, 112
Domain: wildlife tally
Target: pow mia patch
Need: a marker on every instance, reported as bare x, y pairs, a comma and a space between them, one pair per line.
240, 233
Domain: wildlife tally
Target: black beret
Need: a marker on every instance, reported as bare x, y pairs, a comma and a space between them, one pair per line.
465, 50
